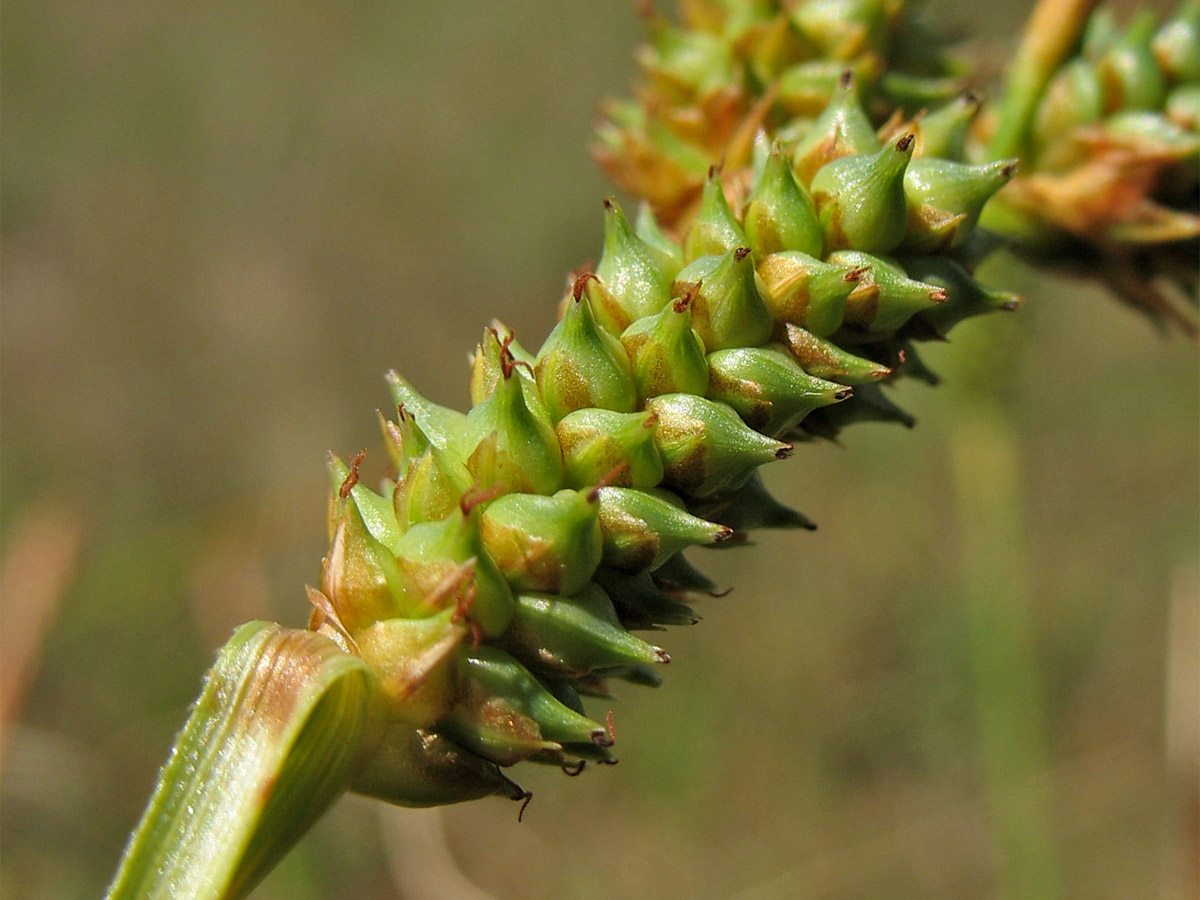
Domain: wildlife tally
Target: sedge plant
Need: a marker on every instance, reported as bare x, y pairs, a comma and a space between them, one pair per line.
815, 183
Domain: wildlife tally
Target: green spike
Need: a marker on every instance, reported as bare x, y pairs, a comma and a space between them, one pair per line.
574, 635
860, 199
420, 768
805, 291
767, 388
945, 198
632, 284
549, 544
667, 253
842, 129
965, 297
666, 352
506, 715
513, 440
715, 230
827, 360
431, 553
779, 213
706, 447
640, 603
727, 309
885, 297
750, 507
943, 132
643, 527
581, 364
601, 445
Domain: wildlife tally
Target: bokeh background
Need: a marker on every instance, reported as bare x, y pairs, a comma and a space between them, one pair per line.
223, 221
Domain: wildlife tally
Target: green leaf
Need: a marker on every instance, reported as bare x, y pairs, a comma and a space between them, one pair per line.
273, 740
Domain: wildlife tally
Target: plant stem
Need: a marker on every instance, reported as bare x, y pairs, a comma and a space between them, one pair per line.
1053, 30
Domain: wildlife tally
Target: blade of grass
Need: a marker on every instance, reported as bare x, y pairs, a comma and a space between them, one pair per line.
270, 744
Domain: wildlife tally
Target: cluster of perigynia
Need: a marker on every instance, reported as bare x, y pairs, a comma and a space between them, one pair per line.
499, 576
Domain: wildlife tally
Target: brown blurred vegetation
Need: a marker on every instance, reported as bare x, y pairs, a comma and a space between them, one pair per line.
222, 222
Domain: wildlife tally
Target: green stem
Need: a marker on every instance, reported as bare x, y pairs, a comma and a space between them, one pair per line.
1052, 32
997, 599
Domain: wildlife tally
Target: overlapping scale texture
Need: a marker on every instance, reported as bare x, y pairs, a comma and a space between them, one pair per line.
1110, 181
733, 67
517, 551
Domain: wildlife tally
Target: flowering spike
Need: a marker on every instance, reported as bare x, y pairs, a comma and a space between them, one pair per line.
715, 230
779, 213
581, 364
596, 442
706, 448
633, 283
642, 528
767, 387
549, 544
860, 199
727, 309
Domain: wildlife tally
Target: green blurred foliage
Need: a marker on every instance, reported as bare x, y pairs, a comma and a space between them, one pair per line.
221, 223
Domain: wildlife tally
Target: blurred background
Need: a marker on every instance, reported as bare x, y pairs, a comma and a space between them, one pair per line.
221, 224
